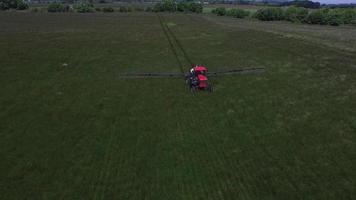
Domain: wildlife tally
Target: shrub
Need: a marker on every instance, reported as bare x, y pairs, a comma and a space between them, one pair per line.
158, 7
98, 9
182, 7
195, 7
348, 15
3, 6
318, 17
295, 14
169, 5
8, 4
334, 18
108, 9
13, 4
269, 14
166, 5
129, 9
221, 11
190, 7
21, 5
84, 7
238, 13
55, 7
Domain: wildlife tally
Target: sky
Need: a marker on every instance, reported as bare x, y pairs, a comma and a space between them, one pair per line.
336, 1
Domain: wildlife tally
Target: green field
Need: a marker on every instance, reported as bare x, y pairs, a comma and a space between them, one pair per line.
72, 129
251, 8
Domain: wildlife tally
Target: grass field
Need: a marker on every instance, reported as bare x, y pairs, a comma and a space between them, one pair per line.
72, 129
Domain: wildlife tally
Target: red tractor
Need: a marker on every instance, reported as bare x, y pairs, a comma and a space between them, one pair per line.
197, 79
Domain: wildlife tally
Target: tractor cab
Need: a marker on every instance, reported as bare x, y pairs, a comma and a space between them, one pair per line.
200, 70
197, 79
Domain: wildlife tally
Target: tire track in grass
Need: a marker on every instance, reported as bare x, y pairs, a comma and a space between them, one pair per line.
179, 46
175, 53
99, 189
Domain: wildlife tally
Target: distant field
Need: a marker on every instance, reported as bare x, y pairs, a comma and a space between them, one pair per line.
72, 129
251, 8
341, 38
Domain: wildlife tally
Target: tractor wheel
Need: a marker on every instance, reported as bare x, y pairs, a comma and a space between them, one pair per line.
210, 88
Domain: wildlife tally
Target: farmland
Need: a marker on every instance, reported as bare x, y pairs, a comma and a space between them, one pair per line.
72, 129
251, 8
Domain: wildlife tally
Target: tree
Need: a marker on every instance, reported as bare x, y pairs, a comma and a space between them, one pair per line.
13, 4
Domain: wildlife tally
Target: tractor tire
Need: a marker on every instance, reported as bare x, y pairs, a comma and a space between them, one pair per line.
210, 88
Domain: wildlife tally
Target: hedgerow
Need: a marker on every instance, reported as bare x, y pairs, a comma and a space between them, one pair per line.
84, 7
270, 14
318, 17
56, 7
295, 14
221, 11
108, 9
172, 6
13, 4
238, 13
324, 16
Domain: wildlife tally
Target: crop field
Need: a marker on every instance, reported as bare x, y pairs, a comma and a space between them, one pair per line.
71, 128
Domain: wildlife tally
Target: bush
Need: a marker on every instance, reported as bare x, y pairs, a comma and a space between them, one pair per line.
108, 9
84, 7
221, 11
13, 4
190, 7
8, 4
334, 18
3, 6
55, 7
348, 15
295, 14
195, 7
22, 5
238, 13
166, 5
318, 17
169, 5
98, 9
269, 14
182, 7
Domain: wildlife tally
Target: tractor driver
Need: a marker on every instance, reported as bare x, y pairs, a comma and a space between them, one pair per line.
192, 72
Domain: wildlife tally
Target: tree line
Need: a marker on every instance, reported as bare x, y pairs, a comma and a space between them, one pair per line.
323, 16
